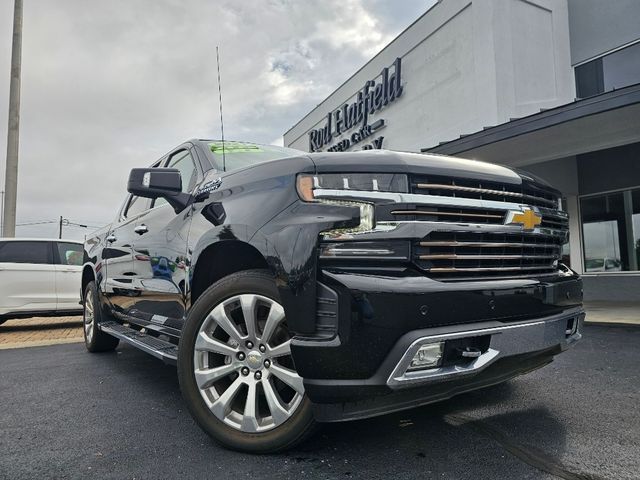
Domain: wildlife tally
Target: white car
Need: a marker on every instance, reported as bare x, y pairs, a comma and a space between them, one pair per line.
40, 277
603, 265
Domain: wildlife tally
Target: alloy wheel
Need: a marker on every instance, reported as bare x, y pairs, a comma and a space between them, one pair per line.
243, 365
89, 317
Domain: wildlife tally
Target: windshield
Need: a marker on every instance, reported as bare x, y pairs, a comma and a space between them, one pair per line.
242, 154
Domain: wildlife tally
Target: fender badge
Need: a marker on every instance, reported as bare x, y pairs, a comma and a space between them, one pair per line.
210, 186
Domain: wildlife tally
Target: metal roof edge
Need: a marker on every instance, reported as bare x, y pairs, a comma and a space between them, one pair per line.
583, 107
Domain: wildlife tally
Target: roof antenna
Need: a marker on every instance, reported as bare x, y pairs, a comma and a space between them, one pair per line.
224, 163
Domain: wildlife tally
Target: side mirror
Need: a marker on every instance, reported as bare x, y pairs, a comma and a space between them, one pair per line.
159, 183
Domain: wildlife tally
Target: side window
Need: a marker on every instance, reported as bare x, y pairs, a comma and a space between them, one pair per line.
184, 162
136, 206
25, 252
70, 254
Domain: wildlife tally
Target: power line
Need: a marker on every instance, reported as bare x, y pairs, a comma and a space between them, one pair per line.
62, 222
43, 222
68, 223
80, 225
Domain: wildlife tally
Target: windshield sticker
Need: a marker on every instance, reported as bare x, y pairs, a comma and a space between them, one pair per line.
234, 147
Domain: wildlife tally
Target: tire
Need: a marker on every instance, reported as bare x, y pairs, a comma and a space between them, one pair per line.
231, 371
94, 339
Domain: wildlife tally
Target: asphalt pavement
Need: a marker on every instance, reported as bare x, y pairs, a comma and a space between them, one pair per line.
66, 413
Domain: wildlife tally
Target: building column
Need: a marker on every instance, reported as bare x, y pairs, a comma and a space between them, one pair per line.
628, 228
575, 234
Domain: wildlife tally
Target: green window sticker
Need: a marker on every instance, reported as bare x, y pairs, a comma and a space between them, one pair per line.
234, 147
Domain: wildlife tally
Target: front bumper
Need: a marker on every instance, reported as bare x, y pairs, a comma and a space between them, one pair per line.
514, 350
527, 337
382, 321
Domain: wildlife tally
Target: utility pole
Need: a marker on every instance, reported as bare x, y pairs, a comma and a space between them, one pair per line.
11, 174
1, 211
60, 234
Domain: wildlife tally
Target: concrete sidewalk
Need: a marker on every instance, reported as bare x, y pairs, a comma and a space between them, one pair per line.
39, 331
613, 312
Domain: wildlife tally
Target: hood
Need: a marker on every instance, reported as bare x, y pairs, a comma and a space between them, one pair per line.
413, 163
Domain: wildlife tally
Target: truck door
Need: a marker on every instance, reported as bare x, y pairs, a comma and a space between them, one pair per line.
160, 253
122, 283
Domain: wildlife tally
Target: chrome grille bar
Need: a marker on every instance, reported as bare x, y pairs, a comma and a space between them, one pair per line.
449, 214
486, 191
418, 199
484, 269
488, 244
455, 256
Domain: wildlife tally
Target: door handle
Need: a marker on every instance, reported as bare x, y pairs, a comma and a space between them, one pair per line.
141, 229
111, 238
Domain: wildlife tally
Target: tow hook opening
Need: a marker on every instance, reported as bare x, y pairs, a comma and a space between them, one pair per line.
463, 351
460, 352
572, 326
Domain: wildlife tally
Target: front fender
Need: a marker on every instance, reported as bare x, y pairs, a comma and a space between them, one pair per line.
288, 243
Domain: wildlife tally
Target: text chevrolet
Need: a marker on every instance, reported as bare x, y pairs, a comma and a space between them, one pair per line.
294, 288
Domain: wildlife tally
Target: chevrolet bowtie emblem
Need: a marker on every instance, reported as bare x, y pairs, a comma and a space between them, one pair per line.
527, 218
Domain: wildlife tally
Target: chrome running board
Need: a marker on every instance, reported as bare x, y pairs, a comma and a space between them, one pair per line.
165, 351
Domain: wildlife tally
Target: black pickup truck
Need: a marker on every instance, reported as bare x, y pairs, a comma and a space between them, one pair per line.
294, 288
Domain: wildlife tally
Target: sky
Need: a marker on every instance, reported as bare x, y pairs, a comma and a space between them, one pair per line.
109, 86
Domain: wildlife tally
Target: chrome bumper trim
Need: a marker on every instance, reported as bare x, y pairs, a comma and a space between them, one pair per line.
506, 341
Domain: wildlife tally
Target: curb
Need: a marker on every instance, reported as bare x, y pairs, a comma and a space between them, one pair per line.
612, 324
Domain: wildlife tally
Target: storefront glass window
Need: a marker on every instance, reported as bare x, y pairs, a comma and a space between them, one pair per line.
616, 70
635, 198
611, 231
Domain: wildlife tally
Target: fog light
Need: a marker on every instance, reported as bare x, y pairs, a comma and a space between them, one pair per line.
427, 356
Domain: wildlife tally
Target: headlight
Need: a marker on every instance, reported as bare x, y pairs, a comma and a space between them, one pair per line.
310, 186
370, 182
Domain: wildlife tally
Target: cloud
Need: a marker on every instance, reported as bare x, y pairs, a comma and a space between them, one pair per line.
108, 86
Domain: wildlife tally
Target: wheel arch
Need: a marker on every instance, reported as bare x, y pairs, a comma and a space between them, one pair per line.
88, 275
221, 259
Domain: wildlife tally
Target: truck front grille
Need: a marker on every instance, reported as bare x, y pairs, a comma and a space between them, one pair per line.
532, 195
462, 228
459, 255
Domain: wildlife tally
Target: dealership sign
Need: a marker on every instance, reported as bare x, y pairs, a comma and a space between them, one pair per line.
374, 96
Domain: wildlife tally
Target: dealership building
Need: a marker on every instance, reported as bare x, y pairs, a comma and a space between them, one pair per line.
548, 86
